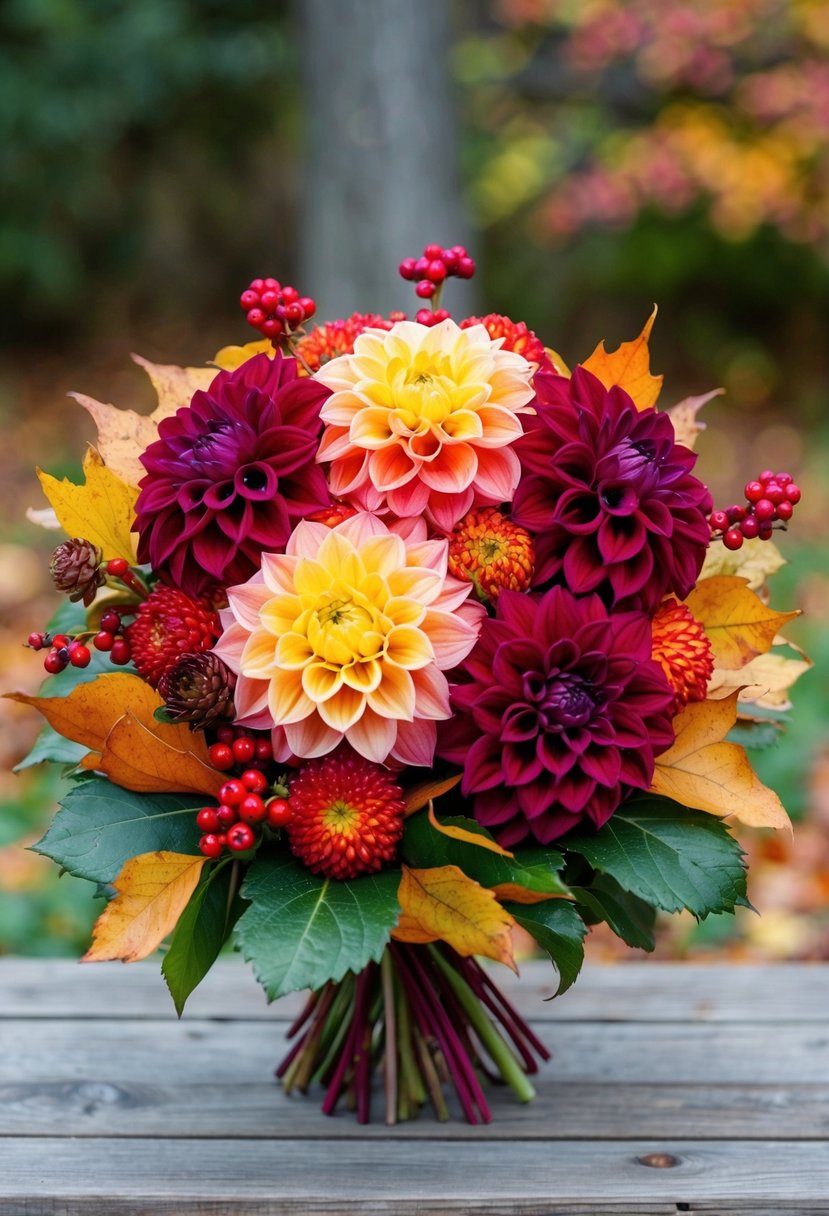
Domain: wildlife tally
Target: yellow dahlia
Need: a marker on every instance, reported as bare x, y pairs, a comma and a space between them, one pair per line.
491, 552
347, 636
682, 648
420, 420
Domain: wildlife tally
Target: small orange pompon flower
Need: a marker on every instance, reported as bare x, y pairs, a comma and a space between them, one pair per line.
516, 336
326, 342
682, 648
488, 550
347, 815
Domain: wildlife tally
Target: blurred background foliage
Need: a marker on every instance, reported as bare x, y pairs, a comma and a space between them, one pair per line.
612, 153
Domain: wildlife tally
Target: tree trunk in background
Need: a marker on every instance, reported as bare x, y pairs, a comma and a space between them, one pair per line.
381, 163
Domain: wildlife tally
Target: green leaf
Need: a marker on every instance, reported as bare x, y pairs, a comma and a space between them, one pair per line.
198, 937
668, 856
301, 930
533, 868
627, 915
49, 745
101, 826
558, 929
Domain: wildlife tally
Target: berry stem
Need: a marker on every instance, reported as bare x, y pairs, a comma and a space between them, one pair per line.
291, 344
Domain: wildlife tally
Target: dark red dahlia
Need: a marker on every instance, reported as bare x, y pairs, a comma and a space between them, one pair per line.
231, 474
558, 716
609, 495
167, 625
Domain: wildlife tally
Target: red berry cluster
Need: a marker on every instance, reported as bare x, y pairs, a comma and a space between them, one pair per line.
63, 651
111, 640
274, 310
770, 499
432, 268
235, 745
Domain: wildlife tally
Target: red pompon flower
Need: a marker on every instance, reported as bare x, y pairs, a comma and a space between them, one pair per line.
516, 337
334, 338
347, 815
559, 714
488, 550
683, 649
333, 515
167, 625
231, 475
609, 496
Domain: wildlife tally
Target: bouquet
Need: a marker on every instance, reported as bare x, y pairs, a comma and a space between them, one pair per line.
384, 637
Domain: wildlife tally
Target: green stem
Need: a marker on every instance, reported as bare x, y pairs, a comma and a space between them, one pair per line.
499, 1051
408, 1065
390, 1058
337, 1026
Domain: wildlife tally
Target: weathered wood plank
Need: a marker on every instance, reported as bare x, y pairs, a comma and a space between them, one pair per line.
650, 991
62, 1177
180, 1052
260, 1110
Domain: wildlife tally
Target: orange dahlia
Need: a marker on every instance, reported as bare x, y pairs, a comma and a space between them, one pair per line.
682, 648
488, 550
516, 336
334, 338
347, 815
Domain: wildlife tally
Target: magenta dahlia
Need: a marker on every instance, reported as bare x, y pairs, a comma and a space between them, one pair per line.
609, 495
559, 714
231, 474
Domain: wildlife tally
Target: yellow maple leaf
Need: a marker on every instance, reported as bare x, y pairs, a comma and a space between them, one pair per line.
755, 561
123, 434
153, 889
231, 357
629, 367
738, 623
683, 415
128, 745
703, 771
443, 904
101, 510
765, 681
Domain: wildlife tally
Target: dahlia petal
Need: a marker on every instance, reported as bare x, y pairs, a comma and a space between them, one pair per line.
343, 709
320, 681
408, 500
467, 426
370, 429
373, 736
498, 473
404, 611
342, 407
364, 677
383, 554
257, 658
482, 768
391, 467
453, 470
287, 700
305, 540
415, 743
231, 644
499, 427
415, 583
279, 614
394, 694
408, 647
444, 510
277, 573
431, 693
309, 738
311, 577
451, 637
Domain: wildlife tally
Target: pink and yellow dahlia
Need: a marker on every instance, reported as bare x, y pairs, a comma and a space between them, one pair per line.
420, 420
347, 636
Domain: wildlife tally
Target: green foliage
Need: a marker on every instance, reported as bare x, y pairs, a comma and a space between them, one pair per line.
557, 927
101, 826
201, 932
670, 857
628, 916
301, 930
533, 868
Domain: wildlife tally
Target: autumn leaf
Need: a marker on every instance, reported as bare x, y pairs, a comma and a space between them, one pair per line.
133, 749
231, 357
101, 510
701, 770
755, 561
739, 625
765, 681
123, 434
153, 889
443, 904
628, 367
558, 363
417, 796
683, 415
456, 833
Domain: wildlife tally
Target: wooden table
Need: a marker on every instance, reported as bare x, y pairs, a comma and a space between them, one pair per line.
672, 1089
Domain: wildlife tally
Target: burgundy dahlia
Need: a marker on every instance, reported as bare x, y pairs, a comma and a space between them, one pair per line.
231, 474
609, 495
558, 716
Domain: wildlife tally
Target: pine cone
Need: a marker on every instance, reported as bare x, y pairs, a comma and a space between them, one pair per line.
75, 568
198, 689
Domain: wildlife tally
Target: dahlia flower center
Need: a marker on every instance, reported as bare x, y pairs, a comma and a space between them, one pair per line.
569, 702
340, 817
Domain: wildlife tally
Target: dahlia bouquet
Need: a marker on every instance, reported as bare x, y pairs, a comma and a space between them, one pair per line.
385, 637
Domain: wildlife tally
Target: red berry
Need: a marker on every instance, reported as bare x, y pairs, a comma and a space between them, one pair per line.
309, 306
793, 493
271, 328
718, 521
441, 314
232, 792
466, 268
783, 479
279, 812
103, 640
252, 809
54, 663
450, 260
225, 733
733, 538
60, 640
257, 285
406, 269
784, 510
436, 271
263, 749
735, 513
255, 317
424, 316
750, 527
254, 781
425, 289
775, 493
765, 476
207, 819
269, 300
121, 652
79, 655
111, 621
211, 845
764, 510
117, 567
248, 299
754, 491
433, 251
290, 295
766, 530
271, 284
35, 641
226, 815
294, 314
244, 749
240, 838
221, 757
